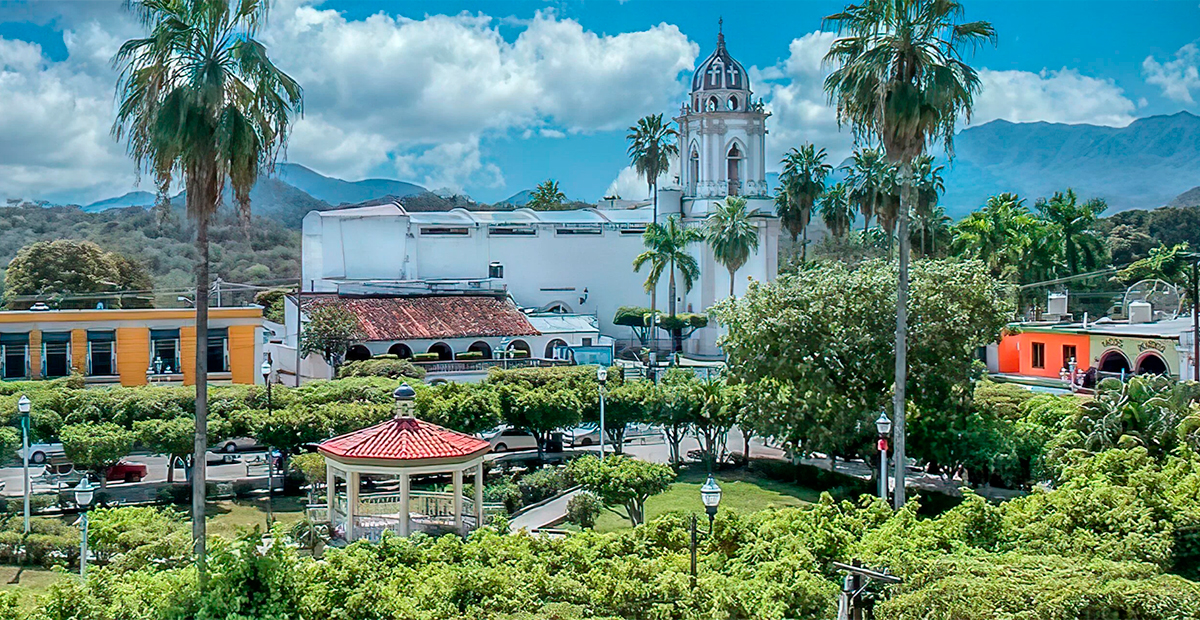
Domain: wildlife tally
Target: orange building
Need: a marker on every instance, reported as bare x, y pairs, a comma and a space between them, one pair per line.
1042, 351
132, 347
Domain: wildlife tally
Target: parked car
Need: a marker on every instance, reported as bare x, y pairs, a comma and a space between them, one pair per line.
589, 435
512, 439
39, 453
128, 471
237, 444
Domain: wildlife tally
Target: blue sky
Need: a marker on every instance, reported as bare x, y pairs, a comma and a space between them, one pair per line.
493, 97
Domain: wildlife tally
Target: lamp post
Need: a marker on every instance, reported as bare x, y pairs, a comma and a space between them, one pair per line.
265, 369
884, 425
710, 496
83, 499
23, 407
601, 378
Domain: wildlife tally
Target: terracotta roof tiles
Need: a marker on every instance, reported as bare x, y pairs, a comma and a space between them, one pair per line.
431, 317
404, 439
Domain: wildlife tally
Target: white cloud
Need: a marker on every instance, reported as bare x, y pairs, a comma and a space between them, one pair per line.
1062, 96
630, 186
1177, 78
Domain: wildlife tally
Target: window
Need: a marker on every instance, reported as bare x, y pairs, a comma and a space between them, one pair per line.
1068, 354
101, 353
1039, 355
218, 350
14, 356
587, 342
634, 230
56, 354
579, 231
712, 104
164, 351
445, 231
732, 103
512, 231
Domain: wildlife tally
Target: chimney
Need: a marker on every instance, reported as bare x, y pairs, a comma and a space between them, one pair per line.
404, 396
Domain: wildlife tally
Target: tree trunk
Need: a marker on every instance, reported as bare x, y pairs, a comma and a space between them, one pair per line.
199, 461
731, 272
804, 245
170, 468
901, 334
676, 335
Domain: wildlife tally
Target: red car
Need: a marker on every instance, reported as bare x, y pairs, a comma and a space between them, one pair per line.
127, 471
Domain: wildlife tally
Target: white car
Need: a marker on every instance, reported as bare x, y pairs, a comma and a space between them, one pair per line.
39, 453
236, 444
634, 433
508, 439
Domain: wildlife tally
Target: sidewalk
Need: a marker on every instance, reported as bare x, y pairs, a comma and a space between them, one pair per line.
544, 515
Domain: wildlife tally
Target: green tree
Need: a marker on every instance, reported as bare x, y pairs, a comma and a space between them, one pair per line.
867, 182
651, 147
899, 78
667, 250
626, 402
731, 235
621, 481
836, 211
1073, 231
674, 404
547, 197
930, 219
464, 407
719, 411
75, 275
96, 447
199, 97
801, 182
173, 437
329, 332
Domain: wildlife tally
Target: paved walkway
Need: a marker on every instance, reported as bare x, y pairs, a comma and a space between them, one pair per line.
546, 514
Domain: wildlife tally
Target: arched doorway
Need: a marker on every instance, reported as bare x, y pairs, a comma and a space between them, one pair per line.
734, 169
552, 346
443, 350
357, 353
519, 345
482, 347
1115, 362
1152, 364
400, 350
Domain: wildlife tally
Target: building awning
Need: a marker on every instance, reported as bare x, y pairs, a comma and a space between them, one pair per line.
430, 317
404, 438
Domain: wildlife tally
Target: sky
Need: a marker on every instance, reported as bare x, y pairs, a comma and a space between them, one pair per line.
490, 98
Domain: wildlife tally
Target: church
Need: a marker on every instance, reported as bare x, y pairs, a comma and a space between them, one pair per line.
573, 263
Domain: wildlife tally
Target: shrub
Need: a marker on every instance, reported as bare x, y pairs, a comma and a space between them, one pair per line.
542, 484
632, 316
243, 488
174, 494
383, 366
518, 353
469, 355
583, 508
425, 357
506, 492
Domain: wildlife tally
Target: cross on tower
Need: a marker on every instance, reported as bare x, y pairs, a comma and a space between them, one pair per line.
715, 72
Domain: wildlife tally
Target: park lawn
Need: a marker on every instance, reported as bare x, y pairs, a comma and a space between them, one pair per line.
28, 583
229, 518
741, 491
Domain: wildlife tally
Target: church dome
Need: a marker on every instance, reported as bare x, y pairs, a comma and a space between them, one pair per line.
720, 71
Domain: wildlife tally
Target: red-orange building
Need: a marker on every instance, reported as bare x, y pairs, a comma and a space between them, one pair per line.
1042, 351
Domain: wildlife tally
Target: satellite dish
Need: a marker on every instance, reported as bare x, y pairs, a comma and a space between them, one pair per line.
1163, 297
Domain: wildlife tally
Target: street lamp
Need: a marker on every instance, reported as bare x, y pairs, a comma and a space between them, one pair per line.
601, 378
23, 406
83, 499
265, 369
710, 496
884, 425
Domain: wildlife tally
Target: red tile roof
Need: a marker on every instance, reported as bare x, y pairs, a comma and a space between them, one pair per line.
431, 317
404, 439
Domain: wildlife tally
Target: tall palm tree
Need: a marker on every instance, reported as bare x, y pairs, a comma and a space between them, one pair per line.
651, 147
731, 235
999, 235
547, 197
929, 185
199, 97
866, 180
1080, 246
801, 182
931, 225
836, 211
899, 78
667, 250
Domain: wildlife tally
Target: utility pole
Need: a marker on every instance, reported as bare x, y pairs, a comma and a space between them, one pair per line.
1196, 318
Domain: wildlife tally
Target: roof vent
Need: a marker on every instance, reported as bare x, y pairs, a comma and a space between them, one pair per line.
1140, 312
496, 270
1056, 306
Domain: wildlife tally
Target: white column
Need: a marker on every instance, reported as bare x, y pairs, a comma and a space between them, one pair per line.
330, 488
351, 504
458, 520
479, 494
404, 509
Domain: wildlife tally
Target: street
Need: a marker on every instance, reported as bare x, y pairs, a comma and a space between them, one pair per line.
155, 464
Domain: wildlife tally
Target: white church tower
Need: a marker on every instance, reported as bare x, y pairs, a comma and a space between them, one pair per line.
722, 138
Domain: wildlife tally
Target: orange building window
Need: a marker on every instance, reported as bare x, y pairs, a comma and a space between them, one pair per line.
1068, 354
1039, 355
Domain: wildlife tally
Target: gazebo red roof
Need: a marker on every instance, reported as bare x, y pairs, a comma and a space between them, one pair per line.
404, 439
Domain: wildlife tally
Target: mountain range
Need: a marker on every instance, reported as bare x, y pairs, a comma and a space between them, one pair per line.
1149, 163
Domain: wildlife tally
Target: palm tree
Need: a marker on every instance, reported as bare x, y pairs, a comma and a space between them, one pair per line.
927, 180
999, 235
836, 211
547, 197
199, 97
899, 78
1080, 246
667, 250
731, 235
931, 225
866, 179
801, 182
651, 147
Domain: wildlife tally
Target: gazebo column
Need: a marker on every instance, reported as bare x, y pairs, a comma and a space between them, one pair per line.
479, 495
458, 520
351, 504
404, 509
330, 489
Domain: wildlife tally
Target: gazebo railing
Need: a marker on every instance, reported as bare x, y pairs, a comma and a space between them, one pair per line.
427, 503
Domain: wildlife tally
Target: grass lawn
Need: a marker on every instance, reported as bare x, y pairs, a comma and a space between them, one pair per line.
228, 518
28, 583
741, 491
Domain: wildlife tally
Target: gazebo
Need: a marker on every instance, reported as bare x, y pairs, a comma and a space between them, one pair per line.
399, 449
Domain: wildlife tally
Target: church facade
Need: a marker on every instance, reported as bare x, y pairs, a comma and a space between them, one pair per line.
580, 261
